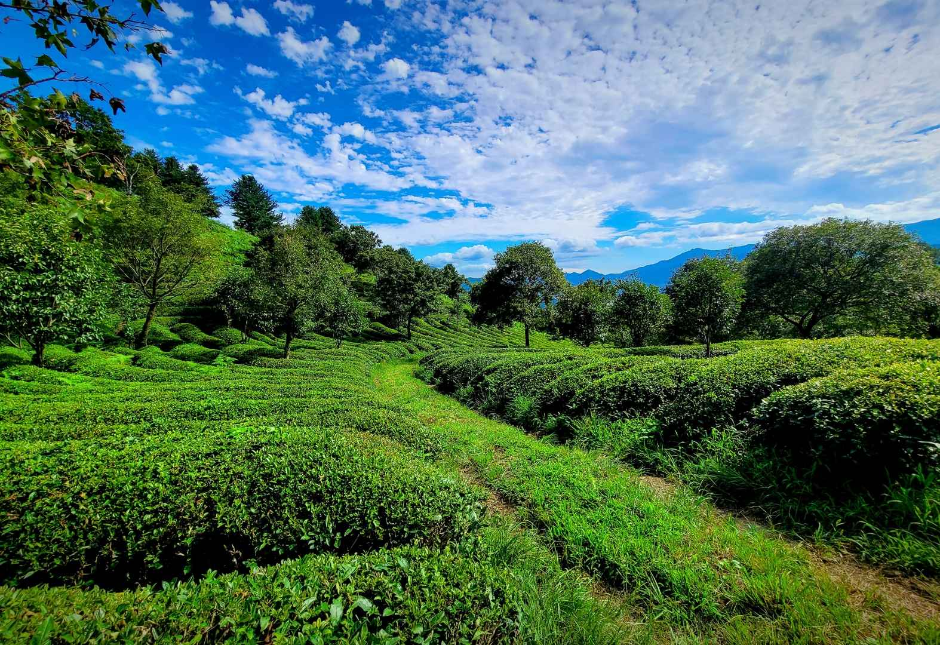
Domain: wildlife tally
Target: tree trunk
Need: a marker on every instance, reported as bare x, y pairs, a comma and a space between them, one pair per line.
708, 345
526, 325
288, 337
409, 327
145, 330
39, 356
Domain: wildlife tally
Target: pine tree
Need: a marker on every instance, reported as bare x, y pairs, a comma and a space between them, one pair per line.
254, 207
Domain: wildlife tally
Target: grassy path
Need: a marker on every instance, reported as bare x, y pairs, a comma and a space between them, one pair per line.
691, 573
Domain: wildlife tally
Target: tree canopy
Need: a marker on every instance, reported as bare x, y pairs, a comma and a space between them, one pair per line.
707, 294
524, 280
807, 275
254, 207
641, 310
582, 312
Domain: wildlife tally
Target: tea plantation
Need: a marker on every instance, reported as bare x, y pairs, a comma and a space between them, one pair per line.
206, 489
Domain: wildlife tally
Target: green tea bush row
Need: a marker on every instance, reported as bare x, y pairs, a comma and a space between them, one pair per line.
122, 512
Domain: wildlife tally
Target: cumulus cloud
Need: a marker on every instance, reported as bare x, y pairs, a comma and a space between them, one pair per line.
257, 70
249, 20
277, 107
146, 72
295, 11
348, 34
474, 259
175, 13
202, 65
303, 52
395, 68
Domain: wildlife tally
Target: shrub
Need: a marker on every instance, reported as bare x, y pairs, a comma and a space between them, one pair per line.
858, 424
227, 336
160, 334
522, 411
195, 353
119, 512
192, 334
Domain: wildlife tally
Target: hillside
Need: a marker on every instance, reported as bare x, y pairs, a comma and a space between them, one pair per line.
659, 273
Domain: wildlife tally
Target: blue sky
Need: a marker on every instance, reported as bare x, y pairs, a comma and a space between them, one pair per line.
619, 133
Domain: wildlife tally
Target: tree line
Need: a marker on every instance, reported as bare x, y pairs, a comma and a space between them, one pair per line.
835, 277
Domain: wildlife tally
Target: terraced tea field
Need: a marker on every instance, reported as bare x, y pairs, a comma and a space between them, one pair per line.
208, 490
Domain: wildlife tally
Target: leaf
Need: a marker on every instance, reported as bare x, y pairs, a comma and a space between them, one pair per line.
45, 61
116, 104
95, 95
156, 51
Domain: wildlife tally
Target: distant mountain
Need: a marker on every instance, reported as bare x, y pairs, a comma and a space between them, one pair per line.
660, 272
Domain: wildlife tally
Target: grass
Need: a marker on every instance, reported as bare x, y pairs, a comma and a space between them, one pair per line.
693, 572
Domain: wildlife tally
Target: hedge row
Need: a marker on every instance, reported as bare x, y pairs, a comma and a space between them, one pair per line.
125, 512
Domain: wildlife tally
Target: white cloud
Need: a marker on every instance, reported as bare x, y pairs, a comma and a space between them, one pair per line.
474, 259
348, 34
392, 4
250, 20
295, 11
302, 52
202, 65
278, 107
175, 13
218, 176
395, 68
356, 131
96, 63
146, 71
327, 88
257, 70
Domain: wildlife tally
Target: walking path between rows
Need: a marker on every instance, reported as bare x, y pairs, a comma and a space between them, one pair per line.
674, 561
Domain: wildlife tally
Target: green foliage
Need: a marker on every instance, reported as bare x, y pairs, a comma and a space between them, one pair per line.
583, 312
162, 247
356, 245
52, 287
164, 507
861, 426
254, 207
870, 272
37, 139
524, 281
640, 310
405, 288
707, 294
321, 219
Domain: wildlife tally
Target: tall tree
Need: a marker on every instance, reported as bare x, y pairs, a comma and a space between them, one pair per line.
405, 289
357, 245
524, 281
299, 271
343, 315
707, 294
162, 247
322, 219
642, 310
52, 287
450, 281
807, 275
582, 312
254, 207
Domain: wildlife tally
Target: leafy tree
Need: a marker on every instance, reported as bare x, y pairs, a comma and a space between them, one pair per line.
524, 281
450, 281
582, 312
240, 298
356, 244
707, 294
162, 247
641, 309
52, 287
344, 313
36, 141
807, 275
188, 183
322, 219
254, 207
299, 271
405, 289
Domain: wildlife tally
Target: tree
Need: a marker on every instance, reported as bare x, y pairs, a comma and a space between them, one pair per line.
640, 309
343, 313
524, 281
190, 184
52, 287
807, 275
298, 270
450, 281
254, 207
322, 219
405, 289
161, 246
240, 298
36, 141
706, 294
356, 244
582, 312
